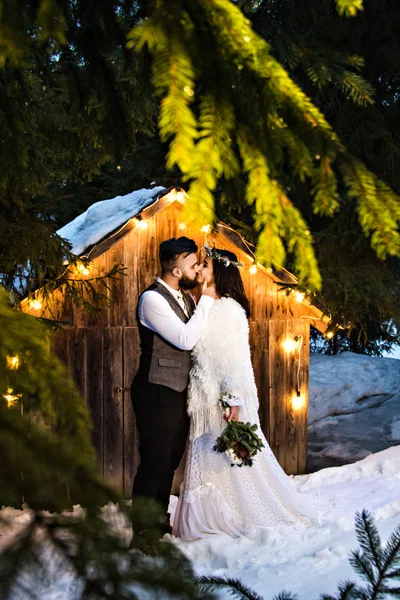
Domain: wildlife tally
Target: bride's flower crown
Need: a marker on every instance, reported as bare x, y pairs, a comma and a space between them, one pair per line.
215, 255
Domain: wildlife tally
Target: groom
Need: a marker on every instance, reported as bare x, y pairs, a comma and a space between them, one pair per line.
169, 325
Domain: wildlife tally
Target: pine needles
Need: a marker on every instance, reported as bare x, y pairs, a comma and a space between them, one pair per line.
227, 107
211, 136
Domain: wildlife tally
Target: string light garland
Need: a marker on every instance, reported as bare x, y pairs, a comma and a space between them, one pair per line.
242, 239
298, 399
299, 347
244, 242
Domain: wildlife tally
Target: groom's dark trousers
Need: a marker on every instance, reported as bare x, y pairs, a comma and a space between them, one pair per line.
159, 392
163, 424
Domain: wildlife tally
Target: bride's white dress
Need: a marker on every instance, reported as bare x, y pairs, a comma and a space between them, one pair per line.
215, 497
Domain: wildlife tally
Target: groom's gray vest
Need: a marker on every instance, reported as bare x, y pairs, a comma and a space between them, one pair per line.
160, 361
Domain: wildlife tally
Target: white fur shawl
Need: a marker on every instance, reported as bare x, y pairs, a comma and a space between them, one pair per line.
221, 363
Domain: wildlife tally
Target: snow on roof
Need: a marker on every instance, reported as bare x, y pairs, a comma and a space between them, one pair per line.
105, 216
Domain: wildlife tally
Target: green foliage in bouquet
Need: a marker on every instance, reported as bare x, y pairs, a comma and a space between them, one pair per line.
240, 442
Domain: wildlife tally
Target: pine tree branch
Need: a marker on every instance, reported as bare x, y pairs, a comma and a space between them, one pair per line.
349, 8
368, 538
212, 157
324, 190
235, 587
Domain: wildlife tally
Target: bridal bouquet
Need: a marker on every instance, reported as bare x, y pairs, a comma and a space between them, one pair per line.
238, 440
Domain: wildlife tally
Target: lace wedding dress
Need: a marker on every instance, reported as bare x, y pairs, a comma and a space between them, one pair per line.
215, 497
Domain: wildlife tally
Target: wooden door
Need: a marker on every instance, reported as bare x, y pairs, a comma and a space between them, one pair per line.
95, 360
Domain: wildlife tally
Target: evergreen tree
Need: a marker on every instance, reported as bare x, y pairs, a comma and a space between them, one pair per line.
60, 121
312, 41
228, 108
315, 44
360, 292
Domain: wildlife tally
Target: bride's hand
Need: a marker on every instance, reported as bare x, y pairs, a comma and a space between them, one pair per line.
209, 290
233, 414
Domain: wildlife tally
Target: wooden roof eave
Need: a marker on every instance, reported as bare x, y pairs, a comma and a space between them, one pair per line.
315, 316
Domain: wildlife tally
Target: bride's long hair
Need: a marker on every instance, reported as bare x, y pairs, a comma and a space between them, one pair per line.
228, 281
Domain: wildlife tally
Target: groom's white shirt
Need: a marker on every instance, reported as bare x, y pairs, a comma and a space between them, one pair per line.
156, 314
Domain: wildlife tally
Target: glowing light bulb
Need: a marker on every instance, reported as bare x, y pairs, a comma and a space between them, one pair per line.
298, 401
36, 304
118, 167
299, 296
142, 224
180, 196
11, 398
182, 226
253, 269
330, 335
289, 345
13, 362
206, 228
83, 269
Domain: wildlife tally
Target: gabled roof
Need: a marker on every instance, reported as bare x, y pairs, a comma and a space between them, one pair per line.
103, 218
104, 223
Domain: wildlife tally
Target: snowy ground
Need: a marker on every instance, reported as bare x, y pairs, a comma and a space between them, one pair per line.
307, 563
352, 413
316, 560
354, 408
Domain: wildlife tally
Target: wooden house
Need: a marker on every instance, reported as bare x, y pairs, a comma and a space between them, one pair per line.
102, 351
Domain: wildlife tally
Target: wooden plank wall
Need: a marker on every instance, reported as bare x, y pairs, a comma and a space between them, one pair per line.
102, 352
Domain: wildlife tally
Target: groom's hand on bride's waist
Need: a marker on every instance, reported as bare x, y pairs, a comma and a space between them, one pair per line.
233, 414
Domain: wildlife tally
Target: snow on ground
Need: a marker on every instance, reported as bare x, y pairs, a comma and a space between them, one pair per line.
103, 217
394, 352
306, 563
316, 560
354, 408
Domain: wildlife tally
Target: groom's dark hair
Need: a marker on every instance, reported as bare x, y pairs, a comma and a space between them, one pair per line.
171, 249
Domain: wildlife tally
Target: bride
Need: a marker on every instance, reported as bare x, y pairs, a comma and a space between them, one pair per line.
216, 498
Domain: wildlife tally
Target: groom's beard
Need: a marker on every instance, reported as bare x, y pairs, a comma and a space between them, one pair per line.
187, 284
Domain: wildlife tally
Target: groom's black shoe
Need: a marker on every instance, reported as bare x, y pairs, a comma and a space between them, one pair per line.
166, 527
